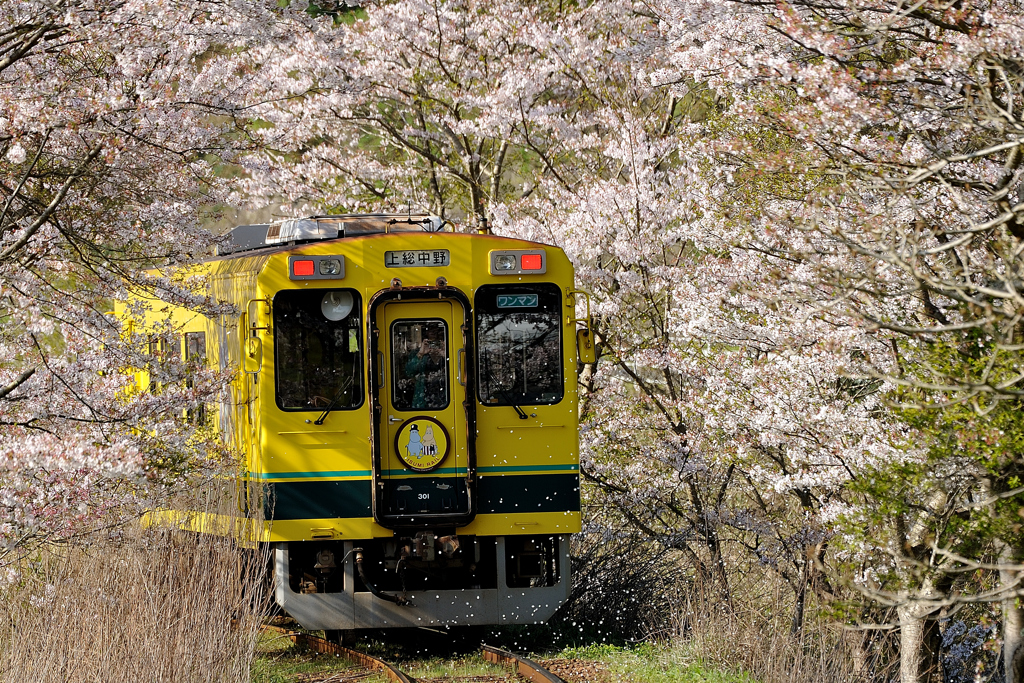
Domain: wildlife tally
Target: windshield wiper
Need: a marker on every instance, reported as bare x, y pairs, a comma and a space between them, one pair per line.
505, 395
334, 402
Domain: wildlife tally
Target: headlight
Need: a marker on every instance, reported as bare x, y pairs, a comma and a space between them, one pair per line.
330, 266
505, 262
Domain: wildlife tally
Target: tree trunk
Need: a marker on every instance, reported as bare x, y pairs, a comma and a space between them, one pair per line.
919, 644
800, 595
1013, 625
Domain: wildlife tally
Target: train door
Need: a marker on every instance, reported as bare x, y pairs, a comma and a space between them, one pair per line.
424, 470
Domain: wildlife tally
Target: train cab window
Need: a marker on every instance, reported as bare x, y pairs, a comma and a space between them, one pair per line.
318, 349
419, 357
519, 344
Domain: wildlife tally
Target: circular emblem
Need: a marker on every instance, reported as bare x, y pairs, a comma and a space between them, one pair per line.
422, 444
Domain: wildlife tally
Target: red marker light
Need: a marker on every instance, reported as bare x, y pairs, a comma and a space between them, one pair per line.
302, 267
530, 262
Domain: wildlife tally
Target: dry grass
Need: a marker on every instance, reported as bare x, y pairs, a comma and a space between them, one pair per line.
133, 603
754, 637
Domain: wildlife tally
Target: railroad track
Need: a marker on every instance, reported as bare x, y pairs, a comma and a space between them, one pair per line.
527, 668
368, 664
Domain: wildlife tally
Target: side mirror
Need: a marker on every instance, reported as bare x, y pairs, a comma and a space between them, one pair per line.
253, 359
585, 346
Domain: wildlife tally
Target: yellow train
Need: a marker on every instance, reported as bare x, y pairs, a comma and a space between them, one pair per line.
406, 397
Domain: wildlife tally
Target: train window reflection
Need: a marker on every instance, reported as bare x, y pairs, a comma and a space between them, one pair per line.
519, 344
419, 355
318, 361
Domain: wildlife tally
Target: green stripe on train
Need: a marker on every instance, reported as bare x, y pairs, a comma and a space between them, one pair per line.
495, 469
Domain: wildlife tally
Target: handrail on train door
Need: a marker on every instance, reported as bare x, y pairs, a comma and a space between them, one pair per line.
252, 363
252, 319
572, 295
584, 336
252, 345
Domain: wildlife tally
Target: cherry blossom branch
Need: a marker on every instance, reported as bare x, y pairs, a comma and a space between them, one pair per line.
52, 206
21, 379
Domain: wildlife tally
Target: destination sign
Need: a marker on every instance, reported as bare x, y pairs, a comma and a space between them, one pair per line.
417, 258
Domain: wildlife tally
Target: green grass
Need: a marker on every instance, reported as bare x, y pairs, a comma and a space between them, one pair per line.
278, 660
652, 663
452, 667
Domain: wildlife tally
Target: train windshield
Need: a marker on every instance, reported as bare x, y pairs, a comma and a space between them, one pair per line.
318, 349
519, 344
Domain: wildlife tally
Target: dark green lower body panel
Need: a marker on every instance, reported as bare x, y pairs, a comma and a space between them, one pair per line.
497, 495
318, 499
528, 493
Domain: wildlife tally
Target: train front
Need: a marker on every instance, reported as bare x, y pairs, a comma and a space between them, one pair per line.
416, 429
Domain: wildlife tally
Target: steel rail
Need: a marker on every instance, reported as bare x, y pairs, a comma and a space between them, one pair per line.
527, 668
328, 648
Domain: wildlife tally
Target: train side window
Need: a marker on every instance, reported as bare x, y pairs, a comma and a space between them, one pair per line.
195, 355
195, 347
318, 349
419, 357
519, 344
162, 347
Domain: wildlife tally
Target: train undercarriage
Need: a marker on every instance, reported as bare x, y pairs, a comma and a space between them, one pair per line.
428, 578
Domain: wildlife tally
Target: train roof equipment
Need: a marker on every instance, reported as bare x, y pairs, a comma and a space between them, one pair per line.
294, 231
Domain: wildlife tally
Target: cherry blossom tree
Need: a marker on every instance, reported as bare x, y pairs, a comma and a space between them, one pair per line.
113, 118
713, 417
899, 123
